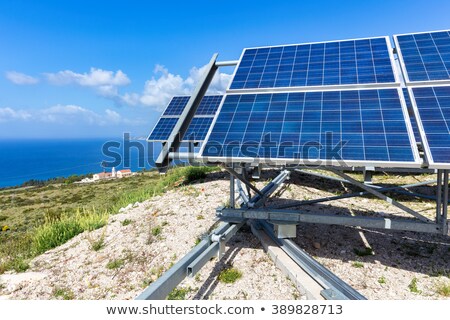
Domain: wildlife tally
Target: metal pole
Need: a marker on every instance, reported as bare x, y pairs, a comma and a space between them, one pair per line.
439, 196
232, 192
445, 204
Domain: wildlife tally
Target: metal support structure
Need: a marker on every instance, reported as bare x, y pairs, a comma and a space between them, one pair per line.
161, 288
296, 217
243, 180
334, 287
174, 141
232, 192
382, 196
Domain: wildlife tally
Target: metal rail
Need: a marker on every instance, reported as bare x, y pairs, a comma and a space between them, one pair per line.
334, 287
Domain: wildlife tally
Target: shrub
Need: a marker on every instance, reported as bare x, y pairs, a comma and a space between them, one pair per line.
115, 264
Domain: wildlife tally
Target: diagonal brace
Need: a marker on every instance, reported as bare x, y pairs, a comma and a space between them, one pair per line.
242, 179
381, 196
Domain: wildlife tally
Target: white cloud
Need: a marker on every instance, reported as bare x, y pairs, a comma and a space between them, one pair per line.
95, 78
164, 85
20, 78
8, 114
67, 115
73, 114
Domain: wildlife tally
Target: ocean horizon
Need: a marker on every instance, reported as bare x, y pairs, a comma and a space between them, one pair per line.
41, 159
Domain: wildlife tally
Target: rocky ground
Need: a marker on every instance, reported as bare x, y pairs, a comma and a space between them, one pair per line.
141, 242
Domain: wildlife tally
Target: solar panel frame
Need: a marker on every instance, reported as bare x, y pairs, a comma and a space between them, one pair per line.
396, 82
403, 68
432, 164
291, 161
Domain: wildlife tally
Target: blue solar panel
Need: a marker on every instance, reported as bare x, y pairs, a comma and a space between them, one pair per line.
365, 61
163, 129
176, 106
198, 129
208, 105
368, 124
199, 125
409, 106
425, 56
433, 104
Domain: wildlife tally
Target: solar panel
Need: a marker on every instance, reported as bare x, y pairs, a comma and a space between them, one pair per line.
351, 127
433, 106
199, 126
409, 106
424, 56
348, 62
163, 129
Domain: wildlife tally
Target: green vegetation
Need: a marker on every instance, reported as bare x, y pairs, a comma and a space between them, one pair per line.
382, 280
358, 264
443, 289
43, 215
179, 294
126, 222
98, 244
413, 286
63, 293
367, 251
229, 275
115, 264
156, 231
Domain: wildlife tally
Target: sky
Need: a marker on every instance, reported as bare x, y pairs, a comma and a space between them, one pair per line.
85, 69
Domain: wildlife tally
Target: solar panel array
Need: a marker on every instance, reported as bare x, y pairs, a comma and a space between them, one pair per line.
425, 56
364, 61
199, 125
308, 125
433, 105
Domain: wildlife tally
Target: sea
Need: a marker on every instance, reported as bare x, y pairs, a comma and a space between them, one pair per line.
42, 159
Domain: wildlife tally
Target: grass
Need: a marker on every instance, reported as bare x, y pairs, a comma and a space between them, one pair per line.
45, 216
229, 275
367, 251
357, 264
64, 293
179, 294
126, 222
54, 233
443, 289
98, 244
156, 231
382, 280
413, 286
115, 264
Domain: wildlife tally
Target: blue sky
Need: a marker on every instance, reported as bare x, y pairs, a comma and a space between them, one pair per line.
100, 68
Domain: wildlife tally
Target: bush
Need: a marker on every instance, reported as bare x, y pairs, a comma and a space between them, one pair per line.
229, 275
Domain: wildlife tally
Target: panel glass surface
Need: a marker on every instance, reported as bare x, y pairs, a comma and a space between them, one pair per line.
364, 61
433, 104
198, 129
426, 56
163, 129
353, 125
176, 106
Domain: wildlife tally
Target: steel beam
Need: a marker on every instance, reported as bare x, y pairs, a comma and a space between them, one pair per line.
161, 288
297, 217
174, 141
382, 196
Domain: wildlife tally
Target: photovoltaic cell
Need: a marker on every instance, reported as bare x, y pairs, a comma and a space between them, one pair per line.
199, 125
198, 129
176, 106
364, 61
163, 129
425, 56
354, 125
411, 115
433, 104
